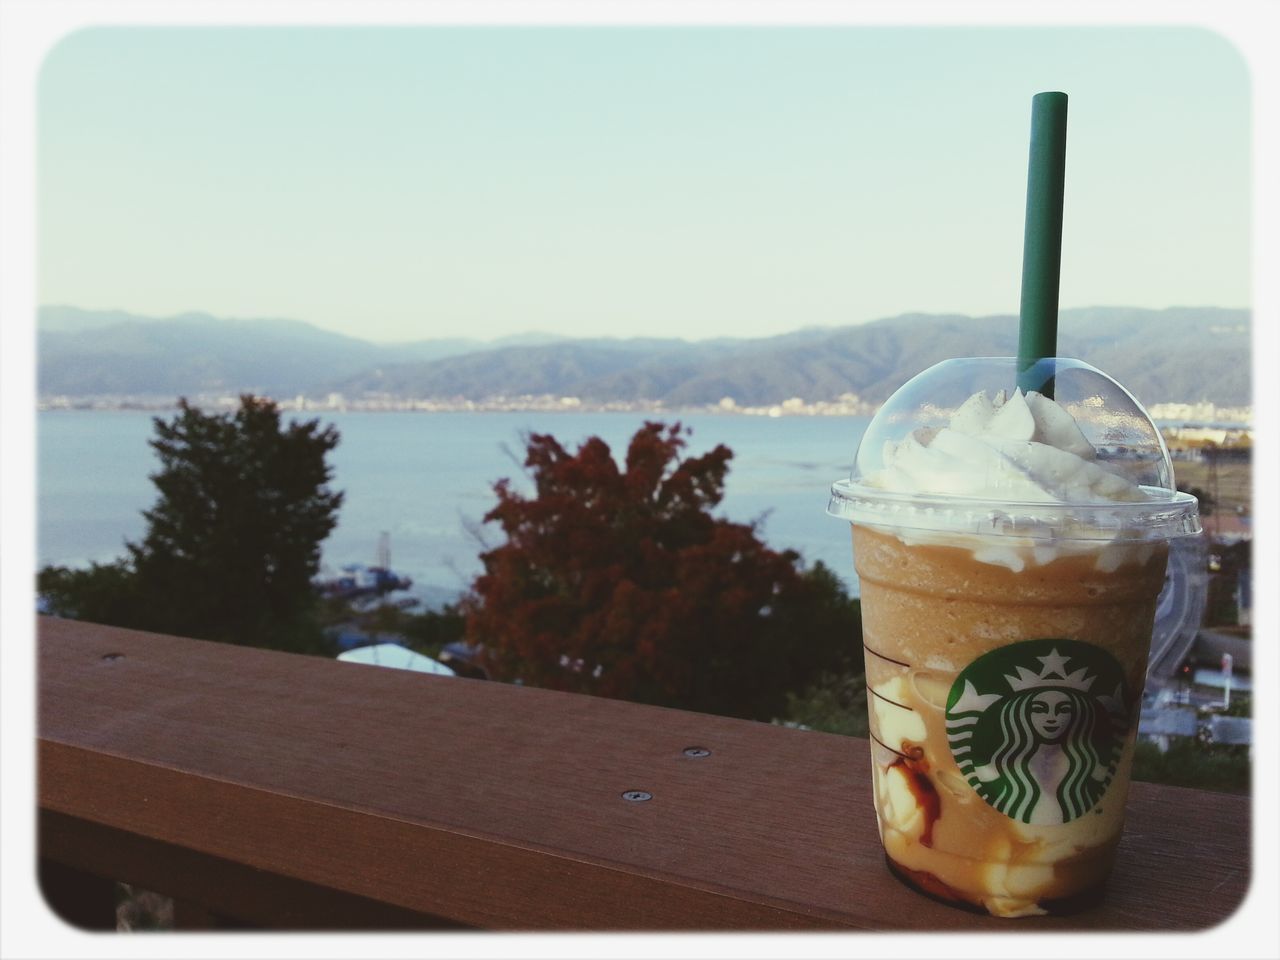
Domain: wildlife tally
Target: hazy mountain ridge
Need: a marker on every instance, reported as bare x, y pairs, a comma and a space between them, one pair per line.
1167, 355
1177, 354
195, 353
84, 352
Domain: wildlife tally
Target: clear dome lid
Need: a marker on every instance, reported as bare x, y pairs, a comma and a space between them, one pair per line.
935, 457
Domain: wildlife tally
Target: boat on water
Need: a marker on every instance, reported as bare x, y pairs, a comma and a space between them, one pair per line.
357, 580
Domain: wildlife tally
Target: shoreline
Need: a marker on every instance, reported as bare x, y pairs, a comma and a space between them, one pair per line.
1170, 414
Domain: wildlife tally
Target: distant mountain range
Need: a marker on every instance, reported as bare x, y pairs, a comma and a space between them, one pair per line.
1177, 354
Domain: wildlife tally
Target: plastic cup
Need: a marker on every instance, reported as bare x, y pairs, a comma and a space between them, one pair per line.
1007, 639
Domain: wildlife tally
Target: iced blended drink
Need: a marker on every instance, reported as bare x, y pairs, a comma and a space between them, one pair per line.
1010, 548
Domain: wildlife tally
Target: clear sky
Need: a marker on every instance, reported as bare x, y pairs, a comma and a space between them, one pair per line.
407, 183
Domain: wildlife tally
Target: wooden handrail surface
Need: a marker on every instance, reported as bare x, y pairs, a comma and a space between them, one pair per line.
297, 792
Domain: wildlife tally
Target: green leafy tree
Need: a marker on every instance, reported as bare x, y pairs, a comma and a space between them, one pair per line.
103, 593
619, 582
232, 542
1206, 500
430, 631
1190, 763
836, 703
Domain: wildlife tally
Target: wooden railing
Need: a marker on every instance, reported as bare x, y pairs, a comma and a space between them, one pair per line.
273, 790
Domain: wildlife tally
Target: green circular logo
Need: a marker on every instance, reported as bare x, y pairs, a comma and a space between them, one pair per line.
1037, 727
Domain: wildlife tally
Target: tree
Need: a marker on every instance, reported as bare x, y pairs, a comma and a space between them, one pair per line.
835, 703
232, 542
1190, 763
621, 583
1206, 500
104, 593
431, 631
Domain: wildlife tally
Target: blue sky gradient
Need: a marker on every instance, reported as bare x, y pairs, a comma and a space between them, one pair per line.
406, 183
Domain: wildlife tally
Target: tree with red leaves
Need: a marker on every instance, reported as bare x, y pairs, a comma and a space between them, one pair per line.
621, 583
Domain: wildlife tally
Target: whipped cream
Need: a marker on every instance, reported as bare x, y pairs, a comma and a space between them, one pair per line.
1013, 479
1022, 448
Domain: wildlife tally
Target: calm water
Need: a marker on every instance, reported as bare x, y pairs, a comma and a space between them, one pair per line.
427, 478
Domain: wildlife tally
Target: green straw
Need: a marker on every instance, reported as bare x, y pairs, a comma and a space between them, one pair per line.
1042, 241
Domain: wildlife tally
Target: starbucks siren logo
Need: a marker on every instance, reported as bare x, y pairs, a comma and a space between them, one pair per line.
1037, 727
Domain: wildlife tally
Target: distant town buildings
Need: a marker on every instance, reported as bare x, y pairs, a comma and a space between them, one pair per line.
1189, 424
1200, 413
848, 404
1197, 436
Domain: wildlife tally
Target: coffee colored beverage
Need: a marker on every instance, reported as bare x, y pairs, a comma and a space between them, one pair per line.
1012, 800
1011, 550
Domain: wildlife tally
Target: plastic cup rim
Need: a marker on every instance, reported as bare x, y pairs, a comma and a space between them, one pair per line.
1173, 513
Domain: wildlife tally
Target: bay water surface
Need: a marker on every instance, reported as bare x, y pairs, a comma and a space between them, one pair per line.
427, 480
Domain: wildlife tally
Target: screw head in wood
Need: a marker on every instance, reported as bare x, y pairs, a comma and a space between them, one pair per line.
637, 796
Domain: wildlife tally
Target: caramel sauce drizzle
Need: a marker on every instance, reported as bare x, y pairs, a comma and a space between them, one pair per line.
922, 789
